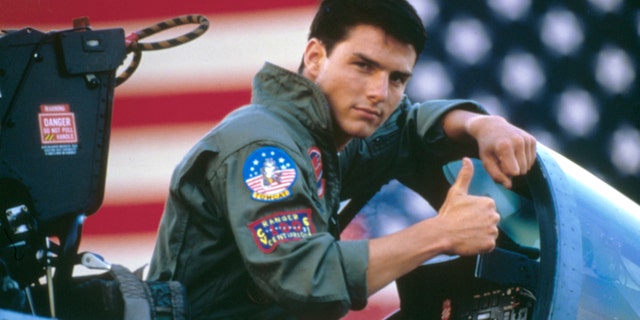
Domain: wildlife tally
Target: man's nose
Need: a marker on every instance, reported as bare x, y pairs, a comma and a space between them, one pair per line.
378, 88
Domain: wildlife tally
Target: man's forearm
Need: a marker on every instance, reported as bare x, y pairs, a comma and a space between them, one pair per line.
457, 124
393, 256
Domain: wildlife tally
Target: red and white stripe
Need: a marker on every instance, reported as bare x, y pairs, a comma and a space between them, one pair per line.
284, 181
173, 98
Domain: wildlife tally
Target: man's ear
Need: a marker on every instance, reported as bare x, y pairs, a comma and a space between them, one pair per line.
314, 56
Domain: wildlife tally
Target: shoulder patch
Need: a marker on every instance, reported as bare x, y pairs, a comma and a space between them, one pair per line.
316, 162
281, 227
269, 173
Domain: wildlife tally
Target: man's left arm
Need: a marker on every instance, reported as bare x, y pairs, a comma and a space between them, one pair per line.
410, 144
413, 145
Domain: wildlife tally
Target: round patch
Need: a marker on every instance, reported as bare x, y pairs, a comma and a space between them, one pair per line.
269, 173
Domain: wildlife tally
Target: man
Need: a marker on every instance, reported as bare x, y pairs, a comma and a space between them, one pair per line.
250, 225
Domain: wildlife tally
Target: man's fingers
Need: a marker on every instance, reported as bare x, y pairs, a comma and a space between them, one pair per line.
495, 171
507, 154
464, 177
531, 152
520, 153
525, 153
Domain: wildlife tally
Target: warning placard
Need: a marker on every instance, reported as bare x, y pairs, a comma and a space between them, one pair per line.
57, 124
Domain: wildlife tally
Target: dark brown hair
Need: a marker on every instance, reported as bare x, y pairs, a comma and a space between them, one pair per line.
397, 18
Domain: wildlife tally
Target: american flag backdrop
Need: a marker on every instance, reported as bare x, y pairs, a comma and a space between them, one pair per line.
567, 71
174, 97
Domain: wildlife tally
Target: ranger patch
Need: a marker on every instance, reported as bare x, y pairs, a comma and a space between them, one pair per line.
316, 161
280, 227
269, 173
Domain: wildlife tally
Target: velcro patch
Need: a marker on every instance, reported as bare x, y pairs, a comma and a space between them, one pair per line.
280, 227
316, 162
269, 173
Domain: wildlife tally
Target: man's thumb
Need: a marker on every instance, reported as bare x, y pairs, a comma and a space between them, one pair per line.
464, 176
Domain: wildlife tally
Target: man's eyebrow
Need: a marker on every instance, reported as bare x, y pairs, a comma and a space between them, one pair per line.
379, 66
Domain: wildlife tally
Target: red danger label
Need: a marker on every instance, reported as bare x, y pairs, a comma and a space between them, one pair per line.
57, 124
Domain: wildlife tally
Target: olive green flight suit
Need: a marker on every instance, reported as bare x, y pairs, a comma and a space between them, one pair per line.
249, 227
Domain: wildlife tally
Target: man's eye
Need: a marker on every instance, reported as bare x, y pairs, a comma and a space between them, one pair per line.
363, 65
399, 79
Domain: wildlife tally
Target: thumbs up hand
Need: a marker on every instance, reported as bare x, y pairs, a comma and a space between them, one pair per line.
469, 222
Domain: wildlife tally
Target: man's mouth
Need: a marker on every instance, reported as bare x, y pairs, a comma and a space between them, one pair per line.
369, 112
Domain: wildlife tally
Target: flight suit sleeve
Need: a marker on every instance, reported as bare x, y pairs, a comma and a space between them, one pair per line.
281, 228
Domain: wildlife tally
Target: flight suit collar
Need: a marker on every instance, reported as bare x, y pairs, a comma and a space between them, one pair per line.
273, 85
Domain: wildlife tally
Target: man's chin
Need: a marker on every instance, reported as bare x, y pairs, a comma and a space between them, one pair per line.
362, 134
361, 131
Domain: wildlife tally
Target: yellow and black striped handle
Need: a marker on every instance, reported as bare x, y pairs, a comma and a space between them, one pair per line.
203, 25
133, 44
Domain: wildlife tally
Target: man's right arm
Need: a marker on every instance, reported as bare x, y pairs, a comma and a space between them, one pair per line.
465, 225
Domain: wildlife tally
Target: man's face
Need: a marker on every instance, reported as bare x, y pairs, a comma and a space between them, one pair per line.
363, 79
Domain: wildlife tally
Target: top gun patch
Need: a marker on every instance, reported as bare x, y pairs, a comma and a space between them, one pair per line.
269, 173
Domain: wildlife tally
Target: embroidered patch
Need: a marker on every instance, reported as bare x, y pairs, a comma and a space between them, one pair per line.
316, 161
269, 173
282, 227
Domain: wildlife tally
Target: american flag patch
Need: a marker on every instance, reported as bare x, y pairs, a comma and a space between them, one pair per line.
269, 173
